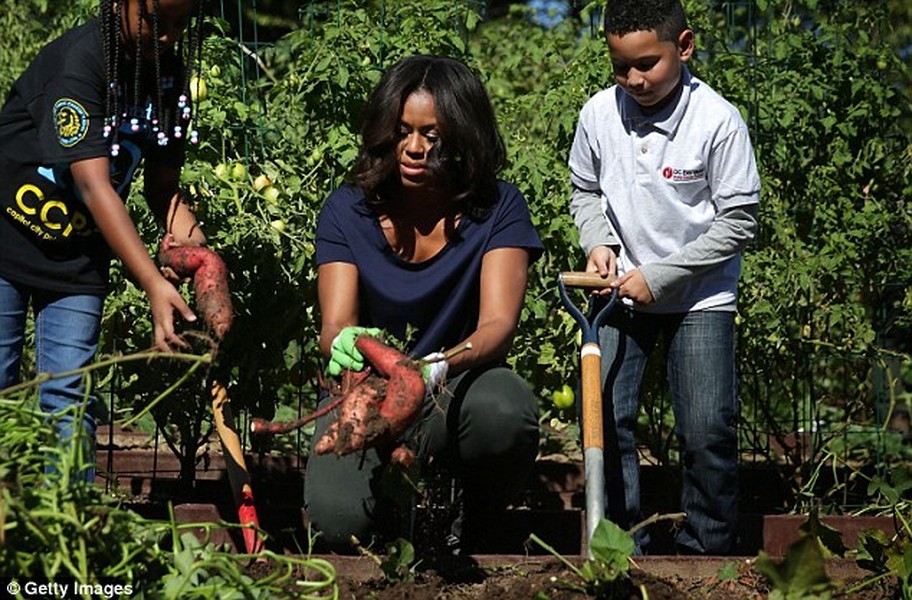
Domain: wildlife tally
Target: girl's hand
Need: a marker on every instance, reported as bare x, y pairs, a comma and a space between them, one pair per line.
167, 272
632, 285
164, 299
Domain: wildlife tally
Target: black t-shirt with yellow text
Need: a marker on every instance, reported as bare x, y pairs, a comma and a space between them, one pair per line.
54, 116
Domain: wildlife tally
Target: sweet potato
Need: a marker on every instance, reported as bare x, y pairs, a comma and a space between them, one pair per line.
350, 379
210, 281
379, 409
402, 456
405, 389
356, 422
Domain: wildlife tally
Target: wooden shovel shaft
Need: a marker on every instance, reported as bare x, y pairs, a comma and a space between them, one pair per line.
590, 359
231, 441
593, 438
238, 475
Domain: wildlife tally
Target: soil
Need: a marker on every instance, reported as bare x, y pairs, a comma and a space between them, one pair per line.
551, 580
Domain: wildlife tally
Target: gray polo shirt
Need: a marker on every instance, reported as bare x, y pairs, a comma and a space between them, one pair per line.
677, 191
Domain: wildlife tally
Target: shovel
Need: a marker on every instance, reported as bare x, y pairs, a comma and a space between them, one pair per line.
238, 475
591, 401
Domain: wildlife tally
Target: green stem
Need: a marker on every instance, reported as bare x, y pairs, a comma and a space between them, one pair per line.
655, 518
867, 582
107, 362
163, 395
555, 553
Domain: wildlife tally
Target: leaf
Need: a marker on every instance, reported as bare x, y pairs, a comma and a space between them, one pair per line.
342, 76
612, 546
801, 574
830, 538
872, 547
397, 565
729, 571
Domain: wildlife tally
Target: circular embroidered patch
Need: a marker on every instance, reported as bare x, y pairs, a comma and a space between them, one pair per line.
71, 121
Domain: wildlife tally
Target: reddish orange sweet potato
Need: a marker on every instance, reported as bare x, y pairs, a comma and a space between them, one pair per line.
210, 281
402, 456
405, 388
349, 381
381, 407
357, 420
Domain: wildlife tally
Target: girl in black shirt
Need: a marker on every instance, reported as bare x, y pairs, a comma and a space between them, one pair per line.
91, 106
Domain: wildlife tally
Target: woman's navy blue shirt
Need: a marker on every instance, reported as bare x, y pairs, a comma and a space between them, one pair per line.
439, 297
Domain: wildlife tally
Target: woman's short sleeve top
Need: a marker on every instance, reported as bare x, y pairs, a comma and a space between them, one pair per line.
437, 299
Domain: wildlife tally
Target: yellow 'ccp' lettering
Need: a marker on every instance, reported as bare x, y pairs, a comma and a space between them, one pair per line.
20, 197
47, 208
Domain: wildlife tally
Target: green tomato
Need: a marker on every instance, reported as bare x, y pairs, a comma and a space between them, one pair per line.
271, 193
563, 398
238, 172
278, 225
198, 90
261, 182
215, 71
221, 170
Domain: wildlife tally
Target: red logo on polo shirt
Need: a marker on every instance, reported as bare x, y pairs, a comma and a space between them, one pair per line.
683, 175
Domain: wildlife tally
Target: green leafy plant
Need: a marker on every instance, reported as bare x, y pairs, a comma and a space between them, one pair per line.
56, 526
887, 557
611, 548
801, 573
397, 563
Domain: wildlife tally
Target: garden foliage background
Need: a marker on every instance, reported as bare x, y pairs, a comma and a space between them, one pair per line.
825, 309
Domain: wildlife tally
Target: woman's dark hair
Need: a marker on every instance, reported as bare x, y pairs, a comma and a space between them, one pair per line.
470, 152
167, 121
665, 17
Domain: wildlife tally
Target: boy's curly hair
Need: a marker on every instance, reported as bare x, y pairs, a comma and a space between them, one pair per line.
665, 17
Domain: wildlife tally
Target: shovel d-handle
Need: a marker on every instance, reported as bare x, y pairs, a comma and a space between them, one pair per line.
591, 388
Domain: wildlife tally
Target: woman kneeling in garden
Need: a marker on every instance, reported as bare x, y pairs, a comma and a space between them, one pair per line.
428, 245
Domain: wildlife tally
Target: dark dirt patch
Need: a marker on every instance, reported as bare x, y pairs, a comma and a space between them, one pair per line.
551, 580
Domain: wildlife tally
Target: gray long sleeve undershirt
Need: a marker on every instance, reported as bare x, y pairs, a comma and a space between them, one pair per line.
594, 230
728, 234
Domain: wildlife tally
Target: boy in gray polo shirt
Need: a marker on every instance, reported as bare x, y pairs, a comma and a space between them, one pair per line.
665, 193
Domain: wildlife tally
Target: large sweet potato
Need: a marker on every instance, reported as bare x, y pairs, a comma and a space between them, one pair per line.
210, 281
381, 407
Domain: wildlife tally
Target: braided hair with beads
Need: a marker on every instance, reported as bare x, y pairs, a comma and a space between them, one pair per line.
166, 121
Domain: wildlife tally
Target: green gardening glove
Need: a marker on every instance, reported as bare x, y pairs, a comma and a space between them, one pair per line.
344, 355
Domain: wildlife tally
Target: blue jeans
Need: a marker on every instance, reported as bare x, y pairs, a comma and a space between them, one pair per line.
700, 364
66, 338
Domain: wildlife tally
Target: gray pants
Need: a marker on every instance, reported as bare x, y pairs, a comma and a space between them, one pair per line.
485, 429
